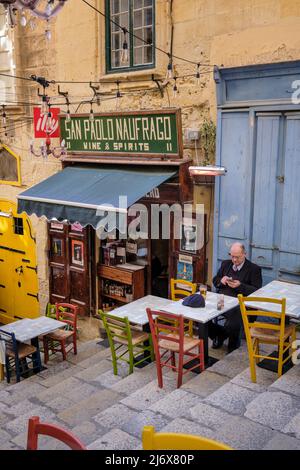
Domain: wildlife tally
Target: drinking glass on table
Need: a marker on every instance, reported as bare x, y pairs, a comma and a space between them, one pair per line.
203, 290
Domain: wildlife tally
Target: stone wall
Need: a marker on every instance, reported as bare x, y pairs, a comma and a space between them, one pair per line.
221, 32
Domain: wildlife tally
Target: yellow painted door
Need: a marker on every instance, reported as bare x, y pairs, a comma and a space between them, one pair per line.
18, 267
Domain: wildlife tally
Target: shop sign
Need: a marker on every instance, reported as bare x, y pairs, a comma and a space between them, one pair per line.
144, 133
40, 122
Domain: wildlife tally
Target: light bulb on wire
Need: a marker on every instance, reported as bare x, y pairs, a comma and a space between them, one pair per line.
198, 74
169, 73
4, 121
124, 53
49, 122
23, 20
91, 116
48, 34
68, 116
44, 105
175, 88
118, 96
48, 10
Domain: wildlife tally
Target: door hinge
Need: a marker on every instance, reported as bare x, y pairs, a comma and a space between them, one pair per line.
32, 267
34, 295
280, 178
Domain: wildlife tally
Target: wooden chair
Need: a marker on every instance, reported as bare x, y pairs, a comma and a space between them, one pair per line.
35, 428
62, 340
174, 441
18, 356
125, 341
169, 339
260, 331
181, 288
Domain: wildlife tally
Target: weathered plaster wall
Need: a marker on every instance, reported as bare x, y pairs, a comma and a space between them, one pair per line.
222, 32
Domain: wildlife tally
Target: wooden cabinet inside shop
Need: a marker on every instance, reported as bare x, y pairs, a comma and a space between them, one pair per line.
119, 285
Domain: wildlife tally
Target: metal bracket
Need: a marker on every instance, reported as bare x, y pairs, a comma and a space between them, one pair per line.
32, 267
96, 93
65, 94
33, 295
159, 86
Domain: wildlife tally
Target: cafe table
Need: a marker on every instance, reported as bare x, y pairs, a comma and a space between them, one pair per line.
29, 329
136, 313
202, 316
278, 290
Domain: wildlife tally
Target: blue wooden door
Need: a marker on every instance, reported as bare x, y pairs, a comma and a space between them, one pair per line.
257, 202
289, 246
266, 190
233, 191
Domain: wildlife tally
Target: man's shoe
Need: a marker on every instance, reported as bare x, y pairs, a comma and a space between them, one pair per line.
232, 347
217, 342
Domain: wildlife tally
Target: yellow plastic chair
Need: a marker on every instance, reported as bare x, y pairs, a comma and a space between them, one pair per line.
179, 292
174, 441
259, 332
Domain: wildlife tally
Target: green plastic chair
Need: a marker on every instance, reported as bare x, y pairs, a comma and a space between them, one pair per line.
124, 342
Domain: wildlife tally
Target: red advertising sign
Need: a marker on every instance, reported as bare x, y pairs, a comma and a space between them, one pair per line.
41, 121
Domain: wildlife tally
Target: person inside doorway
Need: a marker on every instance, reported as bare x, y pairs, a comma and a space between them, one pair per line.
235, 276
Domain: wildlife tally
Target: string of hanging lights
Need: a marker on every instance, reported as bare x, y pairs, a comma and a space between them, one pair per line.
43, 9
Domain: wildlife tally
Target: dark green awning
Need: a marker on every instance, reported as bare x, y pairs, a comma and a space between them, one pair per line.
76, 193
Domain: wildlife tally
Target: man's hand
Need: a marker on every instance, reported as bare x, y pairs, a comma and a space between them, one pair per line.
224, 280
233, 284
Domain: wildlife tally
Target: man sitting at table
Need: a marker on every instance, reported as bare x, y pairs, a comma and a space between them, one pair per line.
235, 276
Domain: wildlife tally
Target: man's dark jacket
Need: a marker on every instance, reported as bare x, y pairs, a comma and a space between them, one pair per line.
249, 276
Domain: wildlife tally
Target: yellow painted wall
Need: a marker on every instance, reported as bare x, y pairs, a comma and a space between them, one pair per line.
222, 32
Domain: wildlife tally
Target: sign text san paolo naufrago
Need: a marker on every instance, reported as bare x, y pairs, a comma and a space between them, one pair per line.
137, 133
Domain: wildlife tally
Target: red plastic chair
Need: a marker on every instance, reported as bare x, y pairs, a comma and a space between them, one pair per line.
59, 340
168, 338
35, 428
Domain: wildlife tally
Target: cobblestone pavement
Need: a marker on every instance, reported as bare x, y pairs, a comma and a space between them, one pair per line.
108, 412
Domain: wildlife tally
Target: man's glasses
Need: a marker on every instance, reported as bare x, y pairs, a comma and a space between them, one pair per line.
235, 257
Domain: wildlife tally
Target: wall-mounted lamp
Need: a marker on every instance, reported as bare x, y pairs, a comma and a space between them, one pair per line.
208, 170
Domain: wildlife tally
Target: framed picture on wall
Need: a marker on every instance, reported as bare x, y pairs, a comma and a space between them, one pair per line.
57, 247
192, 234
77, 252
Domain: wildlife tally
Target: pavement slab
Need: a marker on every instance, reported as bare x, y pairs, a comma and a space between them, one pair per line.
185, 426
20, 424
71, 388
231, 398
205, 383
144, 397
289, 382
282, 442
85, 409
293, 426
116, 439
273, 409
145, 418
175, 404
208, 415
115, 416
232, 364
264, 378
243, 434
